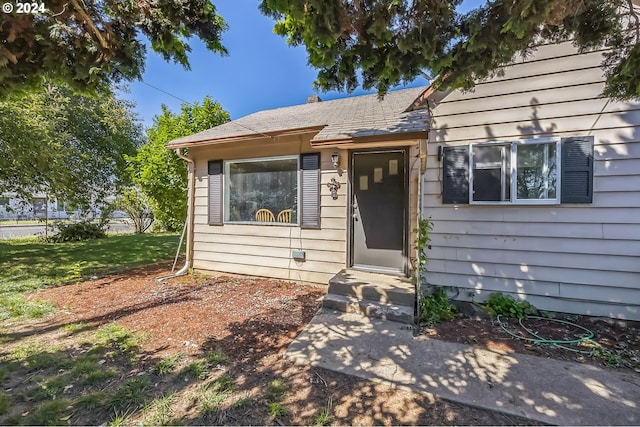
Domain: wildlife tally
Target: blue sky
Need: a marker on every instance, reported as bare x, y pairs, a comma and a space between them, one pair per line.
261, 71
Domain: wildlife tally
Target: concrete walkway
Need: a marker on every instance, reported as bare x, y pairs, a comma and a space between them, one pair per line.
544, 390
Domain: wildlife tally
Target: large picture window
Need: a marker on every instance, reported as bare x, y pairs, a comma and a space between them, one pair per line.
261, 190
515, 172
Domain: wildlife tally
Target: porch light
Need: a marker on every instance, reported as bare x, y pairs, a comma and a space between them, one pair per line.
335, 159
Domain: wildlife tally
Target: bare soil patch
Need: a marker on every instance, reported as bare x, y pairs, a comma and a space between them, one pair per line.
251, 320
612, 343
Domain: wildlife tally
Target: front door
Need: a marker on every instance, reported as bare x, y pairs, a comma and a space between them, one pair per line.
379, 211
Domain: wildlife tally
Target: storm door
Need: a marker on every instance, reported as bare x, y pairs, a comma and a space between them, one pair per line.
379, 211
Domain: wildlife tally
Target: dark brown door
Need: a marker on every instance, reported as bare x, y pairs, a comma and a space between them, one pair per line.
379, 211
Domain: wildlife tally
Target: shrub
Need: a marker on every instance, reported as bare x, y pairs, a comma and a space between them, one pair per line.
507, 306
436, 307
77, 231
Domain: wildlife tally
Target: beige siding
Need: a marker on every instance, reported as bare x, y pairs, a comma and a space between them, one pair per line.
580, 258
266, 250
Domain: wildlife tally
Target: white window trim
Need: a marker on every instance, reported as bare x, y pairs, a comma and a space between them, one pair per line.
226, 195
513, 172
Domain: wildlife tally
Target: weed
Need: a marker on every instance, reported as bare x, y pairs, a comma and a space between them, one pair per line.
276, 390
606, 356
119, 419
241, 402
421, 244
323, 418
125, 341
5, 403
198, 369
49, 388
49, 413
74, 327
98, 375
507, 306
88, 368
15, 306
216, 357
3, 374
131, 393
210, 400
75, 272
33, 356
93, 400
224, 383
160, 411
167, 364
277, 410
436, 307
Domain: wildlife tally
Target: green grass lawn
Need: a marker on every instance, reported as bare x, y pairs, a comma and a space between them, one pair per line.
27, 264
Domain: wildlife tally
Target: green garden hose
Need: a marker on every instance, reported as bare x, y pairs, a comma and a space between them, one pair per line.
557, 343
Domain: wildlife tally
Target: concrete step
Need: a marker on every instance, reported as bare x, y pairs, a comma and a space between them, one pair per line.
373, 287
347, 304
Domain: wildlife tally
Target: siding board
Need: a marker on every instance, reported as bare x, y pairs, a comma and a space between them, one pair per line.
618, 242
536, 273
549, 214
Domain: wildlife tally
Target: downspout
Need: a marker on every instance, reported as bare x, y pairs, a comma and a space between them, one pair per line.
189, 223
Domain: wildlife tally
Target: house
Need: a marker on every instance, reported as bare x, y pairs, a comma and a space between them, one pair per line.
38, 207
533, 188
531, 182
272, 193
41, 207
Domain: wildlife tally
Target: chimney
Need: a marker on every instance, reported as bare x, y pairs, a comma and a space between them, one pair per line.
313, 98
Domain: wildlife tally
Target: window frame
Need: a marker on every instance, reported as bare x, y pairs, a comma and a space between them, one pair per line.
226, 193
513, 152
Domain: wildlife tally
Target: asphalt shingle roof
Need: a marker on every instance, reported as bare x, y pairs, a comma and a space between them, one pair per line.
346, 118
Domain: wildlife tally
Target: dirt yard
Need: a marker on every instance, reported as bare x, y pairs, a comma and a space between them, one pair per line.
250, 320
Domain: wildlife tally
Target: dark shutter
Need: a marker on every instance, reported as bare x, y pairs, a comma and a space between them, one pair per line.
577, 170
455, 179
310, 190
215, 193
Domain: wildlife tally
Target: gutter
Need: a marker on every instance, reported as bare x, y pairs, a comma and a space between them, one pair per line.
190, 215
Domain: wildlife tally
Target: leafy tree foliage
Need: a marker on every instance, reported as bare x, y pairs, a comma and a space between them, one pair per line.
90, 43
160, 173
391, 41
137, 207
68, 146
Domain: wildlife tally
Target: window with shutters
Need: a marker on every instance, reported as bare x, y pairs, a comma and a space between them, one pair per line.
261, 190
515, 172
536, 171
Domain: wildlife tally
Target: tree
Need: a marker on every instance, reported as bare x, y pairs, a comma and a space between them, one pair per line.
160, 173
93, 43
389, 42
137, 207
68, 146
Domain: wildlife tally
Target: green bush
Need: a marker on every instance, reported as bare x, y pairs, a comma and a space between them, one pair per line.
436, 307
507, 306
78, 231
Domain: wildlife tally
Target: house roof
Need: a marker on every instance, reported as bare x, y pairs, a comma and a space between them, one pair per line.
336, 120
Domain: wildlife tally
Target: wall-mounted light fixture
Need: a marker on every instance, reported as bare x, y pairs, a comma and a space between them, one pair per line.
335, 159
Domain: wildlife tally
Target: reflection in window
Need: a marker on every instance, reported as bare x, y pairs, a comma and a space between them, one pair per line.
251, 185
536, 172
517, 172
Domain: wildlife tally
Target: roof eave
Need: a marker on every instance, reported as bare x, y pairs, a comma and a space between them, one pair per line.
245, 137
387, 137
